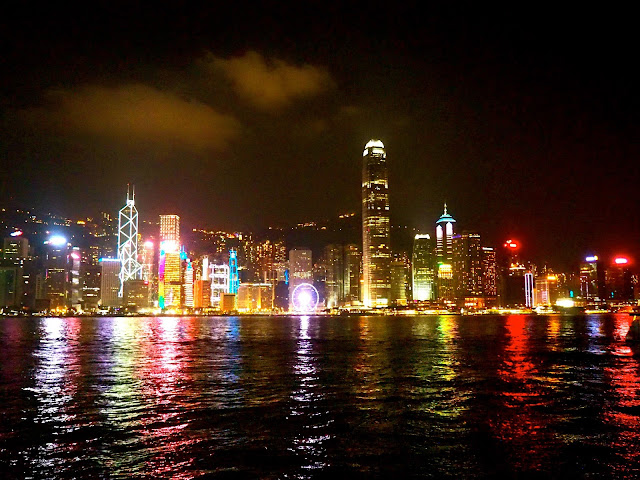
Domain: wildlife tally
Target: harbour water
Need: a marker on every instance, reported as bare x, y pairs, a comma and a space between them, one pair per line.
319, 397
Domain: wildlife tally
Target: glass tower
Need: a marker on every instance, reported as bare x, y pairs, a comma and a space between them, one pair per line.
423, 269
376, 253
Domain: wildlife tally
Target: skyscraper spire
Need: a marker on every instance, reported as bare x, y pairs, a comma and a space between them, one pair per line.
445, 208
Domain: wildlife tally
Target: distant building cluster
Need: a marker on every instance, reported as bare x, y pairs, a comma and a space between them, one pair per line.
54, 265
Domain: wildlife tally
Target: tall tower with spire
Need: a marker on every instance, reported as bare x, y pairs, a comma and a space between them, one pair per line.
130, 269
376, 251
444, 256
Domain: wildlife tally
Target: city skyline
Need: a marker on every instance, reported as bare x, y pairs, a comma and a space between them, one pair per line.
523, 135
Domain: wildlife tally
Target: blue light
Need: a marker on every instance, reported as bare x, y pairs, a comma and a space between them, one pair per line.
234, 281
286, 277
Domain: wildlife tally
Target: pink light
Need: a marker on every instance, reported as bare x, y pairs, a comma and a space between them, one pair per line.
75, 256
148, 244
621, 261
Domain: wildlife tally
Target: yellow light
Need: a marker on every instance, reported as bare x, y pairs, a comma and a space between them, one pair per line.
552, 277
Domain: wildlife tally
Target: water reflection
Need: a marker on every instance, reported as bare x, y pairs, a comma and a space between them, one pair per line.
307, 408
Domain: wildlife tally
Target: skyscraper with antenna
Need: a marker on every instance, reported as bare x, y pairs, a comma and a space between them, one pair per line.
130, 268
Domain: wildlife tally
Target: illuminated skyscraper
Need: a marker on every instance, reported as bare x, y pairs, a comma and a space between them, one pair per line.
423, 269
489, 276
130, 269
444, 256
110, 282
592, 279
467, 269
170, 228
376, 253
170, 285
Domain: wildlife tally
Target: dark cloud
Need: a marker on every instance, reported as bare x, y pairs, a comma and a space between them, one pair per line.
135, 113
270, 83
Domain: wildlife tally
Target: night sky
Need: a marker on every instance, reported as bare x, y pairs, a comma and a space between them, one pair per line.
524, 121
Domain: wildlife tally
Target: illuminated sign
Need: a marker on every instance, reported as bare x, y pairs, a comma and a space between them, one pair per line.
16, 234
592, 259
621, 261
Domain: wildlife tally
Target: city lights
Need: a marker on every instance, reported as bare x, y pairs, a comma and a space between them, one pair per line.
621, 260
56, 241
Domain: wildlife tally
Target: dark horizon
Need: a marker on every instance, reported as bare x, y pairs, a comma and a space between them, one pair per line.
241, 118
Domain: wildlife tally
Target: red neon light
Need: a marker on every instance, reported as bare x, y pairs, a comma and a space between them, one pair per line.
621, 261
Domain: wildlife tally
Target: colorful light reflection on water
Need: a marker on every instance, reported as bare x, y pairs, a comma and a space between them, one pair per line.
299, 397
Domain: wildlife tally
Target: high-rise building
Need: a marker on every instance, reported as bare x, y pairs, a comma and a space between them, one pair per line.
352, 273
376, 238
300, 270
592, 279
619, 280
56, 272
444, 257
130, 269
489, 276
170, 285
467, 269
423, 271
110, 282
219, 275
170, 228
400, 267
334, 279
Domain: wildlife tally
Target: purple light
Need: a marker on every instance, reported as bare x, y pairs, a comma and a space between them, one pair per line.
305, 298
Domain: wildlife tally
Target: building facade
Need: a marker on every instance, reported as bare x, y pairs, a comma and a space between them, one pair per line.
376, 238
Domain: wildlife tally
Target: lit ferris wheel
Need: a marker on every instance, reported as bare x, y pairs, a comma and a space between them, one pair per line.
305, 298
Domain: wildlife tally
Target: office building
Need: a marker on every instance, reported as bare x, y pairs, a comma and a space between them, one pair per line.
423, 273
170, 228
444, 257
376, 239
110, 283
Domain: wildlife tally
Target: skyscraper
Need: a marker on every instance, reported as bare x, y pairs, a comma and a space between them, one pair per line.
170, 228
444, 256
376, 253
467, 269
130, 269
423, 269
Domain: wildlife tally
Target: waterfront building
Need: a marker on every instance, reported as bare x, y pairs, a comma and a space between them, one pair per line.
352, 274
170, 284
592, 279
188, 283
219, 276
255, 297
130, 269
489, 276
619, 280
136, 293
56, 272
444, 257
423, 273
399, 280
202, 293
110, 282
334, 275
546, 290
300, 270
376, 235
229, 303
467, 269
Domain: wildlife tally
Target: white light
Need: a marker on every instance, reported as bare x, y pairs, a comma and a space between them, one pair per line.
565, 302
57, 240
374, 143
